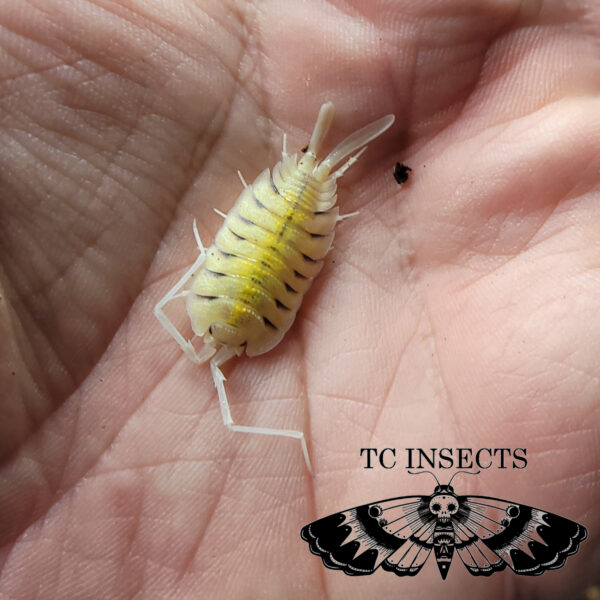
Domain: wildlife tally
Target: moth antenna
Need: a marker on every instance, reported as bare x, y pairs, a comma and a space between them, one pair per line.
422, 472
465, 472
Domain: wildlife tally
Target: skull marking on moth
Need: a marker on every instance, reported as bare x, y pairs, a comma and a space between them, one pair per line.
443, 506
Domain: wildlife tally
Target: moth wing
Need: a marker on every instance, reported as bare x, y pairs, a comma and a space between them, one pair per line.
410, 557
475, 555
492, 533
396, 533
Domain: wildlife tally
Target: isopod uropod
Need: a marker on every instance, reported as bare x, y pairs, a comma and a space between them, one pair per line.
248, 286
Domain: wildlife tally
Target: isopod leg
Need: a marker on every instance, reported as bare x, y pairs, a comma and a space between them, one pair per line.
347, 216
223, 355
199, 243
173, 293
242, 179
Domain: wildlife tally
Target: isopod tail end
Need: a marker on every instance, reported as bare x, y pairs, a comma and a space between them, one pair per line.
352, 143
321, 127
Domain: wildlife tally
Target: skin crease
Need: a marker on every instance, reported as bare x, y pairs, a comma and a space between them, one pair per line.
459, 310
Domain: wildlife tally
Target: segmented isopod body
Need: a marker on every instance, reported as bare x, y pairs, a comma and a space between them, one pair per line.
264, 259
248, 286
267, 252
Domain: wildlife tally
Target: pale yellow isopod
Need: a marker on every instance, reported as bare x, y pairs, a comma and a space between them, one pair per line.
248, 286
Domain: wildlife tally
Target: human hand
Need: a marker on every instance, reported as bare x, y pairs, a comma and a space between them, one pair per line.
458, 310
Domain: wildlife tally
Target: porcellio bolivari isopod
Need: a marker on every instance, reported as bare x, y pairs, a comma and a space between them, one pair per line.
248, 286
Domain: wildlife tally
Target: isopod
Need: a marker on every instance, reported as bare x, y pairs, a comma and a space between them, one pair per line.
248, 286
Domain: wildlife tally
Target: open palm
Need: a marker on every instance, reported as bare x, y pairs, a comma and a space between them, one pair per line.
459, 310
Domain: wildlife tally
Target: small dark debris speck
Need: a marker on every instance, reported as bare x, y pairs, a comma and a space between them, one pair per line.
401, 173
305, 148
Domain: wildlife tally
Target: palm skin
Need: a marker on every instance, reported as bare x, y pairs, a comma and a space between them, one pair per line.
457, 311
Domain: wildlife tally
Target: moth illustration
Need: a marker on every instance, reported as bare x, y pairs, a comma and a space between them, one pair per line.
488, 534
